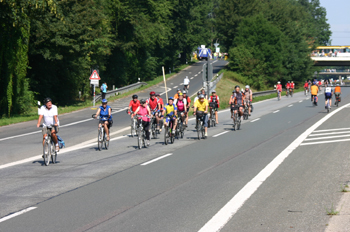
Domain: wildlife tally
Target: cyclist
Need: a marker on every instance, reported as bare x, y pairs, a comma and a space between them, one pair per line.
202, 105
309, 84
328, 93
188, 101
181, 104
214, 99
292, 86
319, 84
306, 86
176, 96
248, 98
154, 106
237, 101
186, 83
337, 92
170, 111
133, 105
105, 112
287, 87
204, 94
143, 111
48, 112
314, 92
279, 89
326, 83
161, 104
196, 98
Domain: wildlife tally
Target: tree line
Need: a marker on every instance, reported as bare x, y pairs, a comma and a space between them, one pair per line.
48, 47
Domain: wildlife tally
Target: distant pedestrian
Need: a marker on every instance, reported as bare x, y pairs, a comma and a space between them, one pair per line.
104, 90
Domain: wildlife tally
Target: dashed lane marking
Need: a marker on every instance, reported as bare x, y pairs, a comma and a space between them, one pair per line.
276, 111
220, 134
16, 214
255, 120
290, 105
156, 159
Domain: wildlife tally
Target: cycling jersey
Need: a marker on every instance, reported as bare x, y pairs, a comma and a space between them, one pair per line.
134, 105
160, 101
328, 92
314, 90
292, 85
104, 112
337, 89
279, 87
215, 100
170, 109
238, 98
306, 85
153, 103
48, 115
143, 111
201, 106
287, 86
186, 81
247, 95
180, 104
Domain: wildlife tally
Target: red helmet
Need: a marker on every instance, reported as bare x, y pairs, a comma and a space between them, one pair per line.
152, 93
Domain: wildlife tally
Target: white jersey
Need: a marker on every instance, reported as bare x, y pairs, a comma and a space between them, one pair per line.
48, 115
186, 81
328, 90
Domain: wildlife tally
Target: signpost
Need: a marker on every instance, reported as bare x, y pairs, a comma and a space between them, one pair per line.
94, 80
166, 92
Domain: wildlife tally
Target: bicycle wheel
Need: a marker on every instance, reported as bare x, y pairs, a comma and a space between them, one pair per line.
172, 138
166, 134
203, 132
198, 130
100, 139
106, 142
139, 141
47, 152
238, 122
53, 153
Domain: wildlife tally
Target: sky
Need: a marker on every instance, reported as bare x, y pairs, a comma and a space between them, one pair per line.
339, 20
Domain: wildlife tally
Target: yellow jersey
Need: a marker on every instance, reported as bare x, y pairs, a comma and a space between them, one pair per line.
201, 105
314, 89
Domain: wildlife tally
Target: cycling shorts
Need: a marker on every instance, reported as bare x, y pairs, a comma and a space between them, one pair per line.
235, 107
168, 119
328, 95
337, 94
110, 122
45, 129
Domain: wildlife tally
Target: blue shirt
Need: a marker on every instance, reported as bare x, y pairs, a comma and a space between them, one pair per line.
104, 112
104, 88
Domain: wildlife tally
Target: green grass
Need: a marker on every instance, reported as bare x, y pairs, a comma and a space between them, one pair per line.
343, 188
33, 112
332, 211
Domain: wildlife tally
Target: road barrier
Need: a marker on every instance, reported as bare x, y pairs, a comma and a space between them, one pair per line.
121, 90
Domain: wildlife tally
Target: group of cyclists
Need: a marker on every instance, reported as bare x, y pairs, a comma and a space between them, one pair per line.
290, 85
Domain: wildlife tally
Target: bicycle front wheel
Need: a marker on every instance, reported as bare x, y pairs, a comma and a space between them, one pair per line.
100, 139
106, 144
166, 134
198, 131
203, 132
47, 153
53, 153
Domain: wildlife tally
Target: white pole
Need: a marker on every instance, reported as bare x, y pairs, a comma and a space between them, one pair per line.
94, 96
166, 90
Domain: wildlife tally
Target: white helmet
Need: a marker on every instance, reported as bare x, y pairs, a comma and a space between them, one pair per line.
186, 77
278, 82
247, 86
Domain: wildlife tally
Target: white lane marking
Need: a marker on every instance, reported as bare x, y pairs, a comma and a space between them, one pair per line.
255, 120
199, 72
89, 143
181, 83
290, 105
327, 130
16, 214
220, 219
214, 62
156, 159
327, 137
191, 78
220, 134
322, 142
175, 87
196, 75
276, 111
69, 124
331, 133
165, 91
301, 101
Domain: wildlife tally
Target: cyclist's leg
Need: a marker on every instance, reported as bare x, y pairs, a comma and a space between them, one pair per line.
105, 125
145, 126
240, 110
205, 122
216, 116
44, 132
175, 123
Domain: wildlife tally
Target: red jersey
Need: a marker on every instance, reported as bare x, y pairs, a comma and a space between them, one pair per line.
319, 83
134, 105
279, 87
153, 103
306, 85
288, 85
292, 85
160, 101
216, 99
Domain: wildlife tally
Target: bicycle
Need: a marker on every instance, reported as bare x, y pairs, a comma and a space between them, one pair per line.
49, 148
328, 107
154, 130
212, 118
314, 100
246, 112
133, 127
141, 134
168, 135
200, 124
291, 92
306, 91
237, 119
101, 136
287, 93
185, 87
278, 95
180, 129
337, 99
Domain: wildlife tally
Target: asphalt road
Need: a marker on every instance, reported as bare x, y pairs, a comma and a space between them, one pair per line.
124, 189
79, 127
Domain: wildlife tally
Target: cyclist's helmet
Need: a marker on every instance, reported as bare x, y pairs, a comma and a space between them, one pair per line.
278, 82
201, 96
237, 86
46, 100
104, 101
180, 94
178, 89
247, 87
134, 96
142, 101
152, 93
213, 91
184, 92
170, 98
292, 81
288, 81
199, 93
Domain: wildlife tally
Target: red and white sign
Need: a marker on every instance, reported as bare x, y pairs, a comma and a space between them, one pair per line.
94, 76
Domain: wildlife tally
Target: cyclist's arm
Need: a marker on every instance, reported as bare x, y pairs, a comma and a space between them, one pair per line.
149, 111
56, 120
98, 112
137, 110
109, 112
39, 120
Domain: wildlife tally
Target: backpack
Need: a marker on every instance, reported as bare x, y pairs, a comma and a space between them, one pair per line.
101, 88
61, 143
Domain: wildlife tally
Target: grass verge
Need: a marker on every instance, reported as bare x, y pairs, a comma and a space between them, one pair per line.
33, 112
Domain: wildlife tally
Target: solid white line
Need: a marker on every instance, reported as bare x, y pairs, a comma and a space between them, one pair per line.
16, 214
255, 120
220, 219
331, 141
175, 87
16, 136
290, 105
327, 130
220, 134
276, 111
327, 137
331, 133
301, 101
154, 160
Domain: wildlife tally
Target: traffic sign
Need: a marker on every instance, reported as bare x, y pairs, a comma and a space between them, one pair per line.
94, 76
94, 82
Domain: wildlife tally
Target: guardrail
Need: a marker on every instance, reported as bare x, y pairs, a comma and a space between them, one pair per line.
263, 93
121, 90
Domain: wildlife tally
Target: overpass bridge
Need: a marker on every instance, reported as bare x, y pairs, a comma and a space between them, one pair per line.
331, 56
334, 73
332, 61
